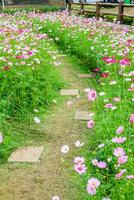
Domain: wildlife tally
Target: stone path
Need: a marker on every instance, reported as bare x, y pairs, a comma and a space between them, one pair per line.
54, 174
26, 154
69, 92
86, 75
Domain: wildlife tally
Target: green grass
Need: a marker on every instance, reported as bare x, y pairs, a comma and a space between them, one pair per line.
27, 83
75, 42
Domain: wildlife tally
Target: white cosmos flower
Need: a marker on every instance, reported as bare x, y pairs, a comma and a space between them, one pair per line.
1, 138
55, 198
112, 83
78, 143
64, 149
101, 145
36, 120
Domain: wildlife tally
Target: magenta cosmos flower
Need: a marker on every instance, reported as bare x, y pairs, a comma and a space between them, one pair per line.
125, 62
118, 152
90, 124
92, 95
93, 184
109, 60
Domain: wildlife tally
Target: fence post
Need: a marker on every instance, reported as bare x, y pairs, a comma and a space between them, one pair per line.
81, 7
120, 12
98, 7
69, 7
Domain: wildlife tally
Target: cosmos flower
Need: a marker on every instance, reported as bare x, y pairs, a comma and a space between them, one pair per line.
64, 149
37, 120
132, 118
55, 198
119, 140
90, 124
79, 144
119, 175
92, 95
80, 168
122, 159
79, 160
92, 185
119, 152
119, 130
1, 138
130, 176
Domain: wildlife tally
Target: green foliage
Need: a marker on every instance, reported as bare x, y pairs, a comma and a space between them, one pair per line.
37, 9
29, 79
90, 48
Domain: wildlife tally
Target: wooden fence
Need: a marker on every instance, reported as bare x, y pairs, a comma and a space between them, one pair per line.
120, 15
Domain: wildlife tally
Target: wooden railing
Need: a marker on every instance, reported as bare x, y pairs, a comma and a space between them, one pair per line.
120, 15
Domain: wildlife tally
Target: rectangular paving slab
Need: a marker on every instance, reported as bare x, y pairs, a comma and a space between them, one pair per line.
86, 75
83, 115
26, 154
69, 92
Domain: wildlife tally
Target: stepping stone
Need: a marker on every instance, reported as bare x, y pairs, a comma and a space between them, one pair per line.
83, 115
62, 55
86, 75
26, 154
70, 92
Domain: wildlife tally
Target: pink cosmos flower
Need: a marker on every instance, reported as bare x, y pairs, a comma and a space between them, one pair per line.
119, 130
132, 118
93, 184
125, 62
90, 124
101, 165
117, 99
130, 176
119, 140
80, 168
95, 162
118, 152
92, 95
79, 160
91, 190
122, 160
109, 105
131, 88
119, 175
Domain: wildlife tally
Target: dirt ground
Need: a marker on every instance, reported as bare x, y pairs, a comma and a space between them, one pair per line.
53, 175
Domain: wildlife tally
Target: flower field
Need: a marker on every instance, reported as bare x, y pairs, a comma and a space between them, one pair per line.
106, 168
29, 79
103, 168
